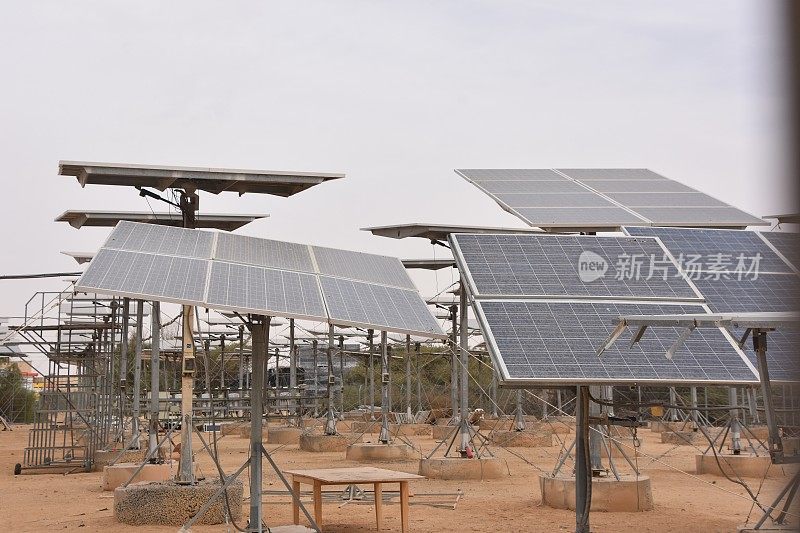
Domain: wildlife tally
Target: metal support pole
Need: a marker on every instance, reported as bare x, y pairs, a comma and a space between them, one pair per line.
408, 377
384, 434
673, 413
454, 367
464, 345
222, 383
292, 369
371, 356
123, 364
583, 462
259, 329
693, 397
314, 348
596, 435
519, 413
341, 377
544, 404
155, 338
418, 360
775, 442
736, 430
494, 393
185, 474
241, 366
137, 375
330, 423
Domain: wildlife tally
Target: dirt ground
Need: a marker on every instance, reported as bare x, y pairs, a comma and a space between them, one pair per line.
75, 502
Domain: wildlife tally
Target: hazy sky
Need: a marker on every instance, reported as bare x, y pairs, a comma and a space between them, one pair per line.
394, 94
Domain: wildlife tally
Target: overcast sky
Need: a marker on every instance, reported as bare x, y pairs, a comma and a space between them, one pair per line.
394, 94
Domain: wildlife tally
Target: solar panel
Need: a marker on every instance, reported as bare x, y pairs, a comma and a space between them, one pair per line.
773, 287
767, 293
263, 252
557, 266
377, 306
265, 291
362, 267
252, 275
541, 342
788, 244
146, 276
164, 240
702, 247
603, 198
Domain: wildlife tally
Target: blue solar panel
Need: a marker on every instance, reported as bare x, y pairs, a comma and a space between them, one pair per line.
559, 265
788, 244
556, 342
767, 293
713, 249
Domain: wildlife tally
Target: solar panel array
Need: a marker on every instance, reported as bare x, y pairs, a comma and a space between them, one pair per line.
771, 287
788, 244
543, 322
602, 198
261, 276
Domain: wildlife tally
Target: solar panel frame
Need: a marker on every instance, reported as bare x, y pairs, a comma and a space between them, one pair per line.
267, 253
358, 266
682, 369
785, 244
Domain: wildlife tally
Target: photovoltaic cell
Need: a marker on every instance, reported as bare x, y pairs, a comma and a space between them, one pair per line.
698, 216
709, 243
788, 244
640, 186
574, 217
767, 293
549, 265
163, 240
559, 185
362, 267
353, 302
783, 346
682, 199
541, 342
263, 252
594, 174
146, 275
265, 291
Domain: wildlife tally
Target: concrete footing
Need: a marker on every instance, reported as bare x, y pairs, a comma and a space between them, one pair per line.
102, 458
732, 465
284, 435
369, 452
232, 428
325, 443
166, 503
768, 527
629, 494
457, 468
791, 445
403, 430
681, 438
244, 432
657, 426
522, 439
117, 474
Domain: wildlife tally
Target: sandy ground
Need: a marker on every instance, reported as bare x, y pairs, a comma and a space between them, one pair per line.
75, 502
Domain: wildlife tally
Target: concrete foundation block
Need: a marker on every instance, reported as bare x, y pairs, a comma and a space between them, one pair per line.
464, 469
791, 445
244, 432
284, 435
117, 474
326, 443
681, 438
657, 426
733, 465
232, 429
488, 424
362, 426
374, 452
102, 458
522, 439
629, 494
768, 527
165, 503
410, 430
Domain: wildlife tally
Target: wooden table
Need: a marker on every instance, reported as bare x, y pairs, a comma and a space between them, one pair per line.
351, 476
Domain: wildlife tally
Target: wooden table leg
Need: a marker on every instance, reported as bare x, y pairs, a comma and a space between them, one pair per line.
378, 504
296, 502
404, 506
318, 503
